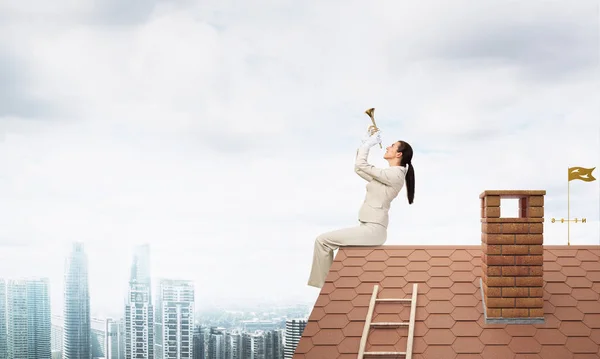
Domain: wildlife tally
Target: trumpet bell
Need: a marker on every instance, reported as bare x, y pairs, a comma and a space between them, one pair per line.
372, 129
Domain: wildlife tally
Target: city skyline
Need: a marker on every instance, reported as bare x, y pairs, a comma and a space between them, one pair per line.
164, 327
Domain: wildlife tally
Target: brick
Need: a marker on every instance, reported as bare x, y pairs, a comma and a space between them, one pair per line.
492, 271
529, 303
515, 249
532, 260
510, 228
536, 312
494, 228
536, 201
535, 212
491, 201
491, 248
500, 302
515, 271
529, 238
494, 292
536, 271
490, 212
515, 313
509, 292
536, 228
498, 238
536, 292
529, 281
500, 260
494, 312
501, 281
536, 249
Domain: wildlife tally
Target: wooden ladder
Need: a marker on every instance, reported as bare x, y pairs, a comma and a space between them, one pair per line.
410, 324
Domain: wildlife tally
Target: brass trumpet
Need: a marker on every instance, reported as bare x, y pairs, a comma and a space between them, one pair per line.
373, 128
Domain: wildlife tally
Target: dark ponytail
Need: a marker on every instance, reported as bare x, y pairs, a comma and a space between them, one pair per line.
407, 154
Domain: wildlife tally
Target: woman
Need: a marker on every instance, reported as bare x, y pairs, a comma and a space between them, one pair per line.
383, 187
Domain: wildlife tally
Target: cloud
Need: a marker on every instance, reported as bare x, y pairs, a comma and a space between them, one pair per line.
15, 99
532, 43
225, 135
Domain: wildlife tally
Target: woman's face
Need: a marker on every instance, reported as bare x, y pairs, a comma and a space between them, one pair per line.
392, 151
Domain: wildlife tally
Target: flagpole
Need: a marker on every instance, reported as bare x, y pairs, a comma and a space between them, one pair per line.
568, 209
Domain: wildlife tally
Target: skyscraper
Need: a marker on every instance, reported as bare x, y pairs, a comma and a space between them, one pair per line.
139, 311
77, 322
217, 344
274, 344
293, 332
3, 333
114, 342
253, 345
174, 319
233, 345
28, 319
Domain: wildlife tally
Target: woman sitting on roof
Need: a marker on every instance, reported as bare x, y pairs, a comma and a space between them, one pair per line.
383, 187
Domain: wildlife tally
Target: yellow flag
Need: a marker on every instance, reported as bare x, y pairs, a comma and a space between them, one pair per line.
580, 173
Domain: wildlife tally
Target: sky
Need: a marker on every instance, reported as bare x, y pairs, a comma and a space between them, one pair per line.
223, 133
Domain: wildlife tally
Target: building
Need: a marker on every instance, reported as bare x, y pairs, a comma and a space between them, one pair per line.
3, 333
139, 311
250, 326
511, 296
293, 332
217, 346
200, 339
57, 330
254, 345
114, 339
77, 334
174, 319
233, 345
28, 319
98, 331
274, 344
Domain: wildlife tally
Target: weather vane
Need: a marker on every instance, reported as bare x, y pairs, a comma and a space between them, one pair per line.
575, 173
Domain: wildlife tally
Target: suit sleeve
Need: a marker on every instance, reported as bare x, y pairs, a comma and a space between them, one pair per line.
386, 176
362, 174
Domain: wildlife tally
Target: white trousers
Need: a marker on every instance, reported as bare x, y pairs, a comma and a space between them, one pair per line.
365, 234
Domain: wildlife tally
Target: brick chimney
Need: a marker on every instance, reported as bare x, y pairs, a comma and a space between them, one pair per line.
512, 258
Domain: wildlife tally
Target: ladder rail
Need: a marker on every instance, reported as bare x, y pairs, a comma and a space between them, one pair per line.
367, 327
411, 325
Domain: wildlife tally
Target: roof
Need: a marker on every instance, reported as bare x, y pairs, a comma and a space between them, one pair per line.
449, 316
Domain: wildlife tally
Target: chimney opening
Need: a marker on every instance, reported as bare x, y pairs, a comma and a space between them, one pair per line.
509, 208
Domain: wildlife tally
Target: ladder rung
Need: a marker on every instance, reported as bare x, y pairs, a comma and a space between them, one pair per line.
393, 300
390, 324
385, 353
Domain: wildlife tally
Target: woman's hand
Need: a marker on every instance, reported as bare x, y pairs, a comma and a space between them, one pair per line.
372, 140
370, 132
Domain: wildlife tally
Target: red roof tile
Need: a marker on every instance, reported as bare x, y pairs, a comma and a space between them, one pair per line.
449, 315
